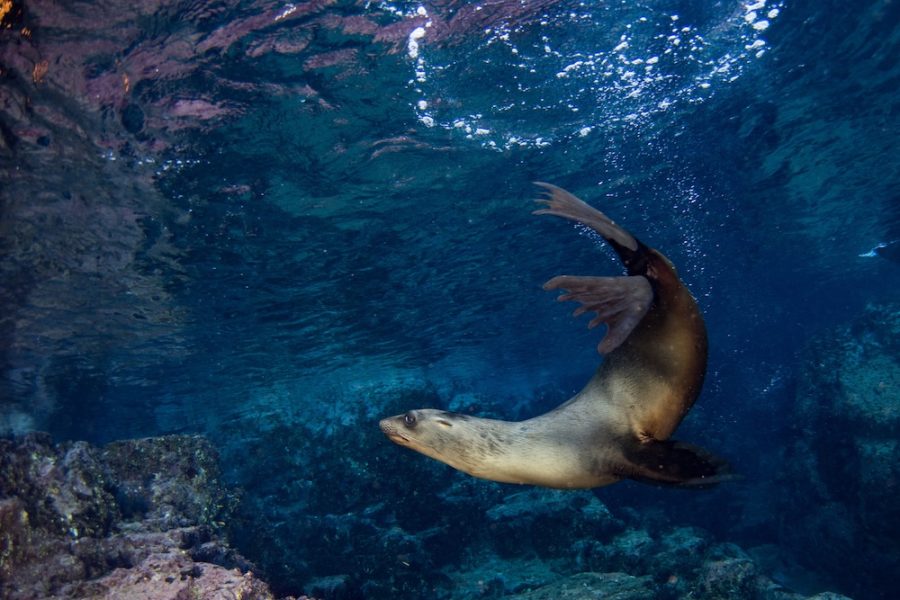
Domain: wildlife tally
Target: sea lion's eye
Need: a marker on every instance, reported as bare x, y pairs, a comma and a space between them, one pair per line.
409, 419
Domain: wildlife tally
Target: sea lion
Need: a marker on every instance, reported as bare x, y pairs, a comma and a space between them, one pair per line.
618, 426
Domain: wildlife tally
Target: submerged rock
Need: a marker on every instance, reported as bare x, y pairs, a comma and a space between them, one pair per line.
63, 488
596, 586
729, 579
146, 519
136, 519
331, 511
539, 522
493, 577
167, 482
845, 457
161, 566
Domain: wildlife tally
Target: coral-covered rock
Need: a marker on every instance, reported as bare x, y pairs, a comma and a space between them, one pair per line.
845, 459
171, 481
137, 519
63, 488
171, 575
15, 535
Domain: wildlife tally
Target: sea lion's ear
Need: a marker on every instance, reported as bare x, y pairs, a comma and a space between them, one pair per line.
620, 303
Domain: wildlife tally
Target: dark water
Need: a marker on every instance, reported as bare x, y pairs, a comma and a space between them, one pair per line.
221, 215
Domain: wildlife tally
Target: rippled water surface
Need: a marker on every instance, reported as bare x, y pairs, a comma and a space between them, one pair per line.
218, 210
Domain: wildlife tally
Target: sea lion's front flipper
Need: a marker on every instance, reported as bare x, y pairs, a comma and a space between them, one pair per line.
673, 463
620, 302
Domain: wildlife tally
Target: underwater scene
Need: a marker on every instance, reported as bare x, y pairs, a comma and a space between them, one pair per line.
281, 318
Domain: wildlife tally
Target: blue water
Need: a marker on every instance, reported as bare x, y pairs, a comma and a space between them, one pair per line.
251, 218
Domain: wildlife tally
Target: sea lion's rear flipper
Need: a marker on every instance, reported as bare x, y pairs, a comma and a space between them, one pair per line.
561, 203
673, 463
620, 302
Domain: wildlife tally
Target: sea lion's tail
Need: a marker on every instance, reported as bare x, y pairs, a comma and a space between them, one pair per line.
673, 463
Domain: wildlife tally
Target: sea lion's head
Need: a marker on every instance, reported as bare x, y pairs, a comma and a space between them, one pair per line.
441, 435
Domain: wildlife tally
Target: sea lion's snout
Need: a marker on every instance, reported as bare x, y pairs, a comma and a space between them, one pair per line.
431, 432
391, 428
